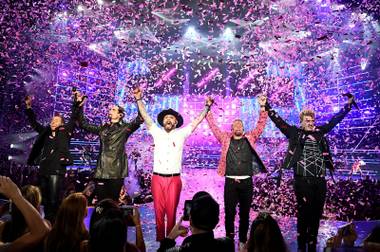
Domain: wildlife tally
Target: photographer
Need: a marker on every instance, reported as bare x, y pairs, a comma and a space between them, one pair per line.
108, 228
204, 216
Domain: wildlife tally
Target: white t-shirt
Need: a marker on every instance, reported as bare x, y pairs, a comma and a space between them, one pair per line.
168, 148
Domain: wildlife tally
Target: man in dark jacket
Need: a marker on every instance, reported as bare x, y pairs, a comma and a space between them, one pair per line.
112, 164
204, 216
309, 156
51, 153
238, 163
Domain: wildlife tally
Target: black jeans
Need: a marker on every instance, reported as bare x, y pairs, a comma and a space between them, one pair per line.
310, 194
237, 191
108, 189
51, 186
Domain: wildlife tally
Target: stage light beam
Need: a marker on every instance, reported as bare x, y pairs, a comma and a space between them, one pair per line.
228, 34
191, 33
80, 8
363, 63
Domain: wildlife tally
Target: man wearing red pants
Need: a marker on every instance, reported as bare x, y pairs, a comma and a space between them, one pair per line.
168, 147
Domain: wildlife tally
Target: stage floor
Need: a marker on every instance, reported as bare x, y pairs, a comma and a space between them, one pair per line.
195, 180
287, 225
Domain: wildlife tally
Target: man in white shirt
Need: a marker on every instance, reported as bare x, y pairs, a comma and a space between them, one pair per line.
168, 148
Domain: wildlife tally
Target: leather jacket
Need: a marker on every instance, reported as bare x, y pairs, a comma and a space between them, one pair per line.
296, 137
56, 162
112, 161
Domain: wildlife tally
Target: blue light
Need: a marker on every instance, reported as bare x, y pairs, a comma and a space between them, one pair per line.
191, 32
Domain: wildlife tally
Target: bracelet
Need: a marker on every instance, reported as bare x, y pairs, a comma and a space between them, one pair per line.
139, 99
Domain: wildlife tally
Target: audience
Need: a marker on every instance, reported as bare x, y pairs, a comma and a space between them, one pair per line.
37, 228
108, 229
372, 241
26, 230
204, 216
265, 235
4, 211
68, 230
345, 237
16, 226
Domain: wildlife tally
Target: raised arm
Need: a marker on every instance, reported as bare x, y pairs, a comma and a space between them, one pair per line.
31, 116
36, 225
137, 93
216, 131
133, 125
337, 118
70, 125
255, 133
78, 113
202, 115
283, 126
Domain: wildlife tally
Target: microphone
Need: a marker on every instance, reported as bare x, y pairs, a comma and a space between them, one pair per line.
74, 90
349, 95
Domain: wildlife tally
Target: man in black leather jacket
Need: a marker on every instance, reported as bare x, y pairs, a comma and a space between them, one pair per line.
51, 152
112, 164
309, 156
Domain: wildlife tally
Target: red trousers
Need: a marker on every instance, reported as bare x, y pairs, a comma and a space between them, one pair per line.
166, 192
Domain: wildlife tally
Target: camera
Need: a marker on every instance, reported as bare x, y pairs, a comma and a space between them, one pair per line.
186, 210
128, 212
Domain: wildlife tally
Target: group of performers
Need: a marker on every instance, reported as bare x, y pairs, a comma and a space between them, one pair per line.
308, 155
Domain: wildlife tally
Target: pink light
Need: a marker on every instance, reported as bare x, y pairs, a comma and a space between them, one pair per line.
247, 79
208, 77
166, 77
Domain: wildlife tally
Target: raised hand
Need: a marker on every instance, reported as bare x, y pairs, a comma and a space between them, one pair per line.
178, 230
351, 99
262, 100
209, 101
137, 93
28, 101
8, 188
79, 98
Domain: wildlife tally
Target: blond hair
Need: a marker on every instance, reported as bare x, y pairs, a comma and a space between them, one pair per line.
307, 112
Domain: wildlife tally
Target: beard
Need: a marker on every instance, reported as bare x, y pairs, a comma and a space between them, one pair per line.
238, 133
169, 126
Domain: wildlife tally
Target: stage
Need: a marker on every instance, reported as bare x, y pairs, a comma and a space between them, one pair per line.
306, 54
195, 180
287, 225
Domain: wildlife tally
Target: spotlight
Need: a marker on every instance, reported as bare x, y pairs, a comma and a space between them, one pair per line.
118, 34
10, 157
228, 34
363, 63
92, 47
19, 146
191, 32
80, 8
100, 2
